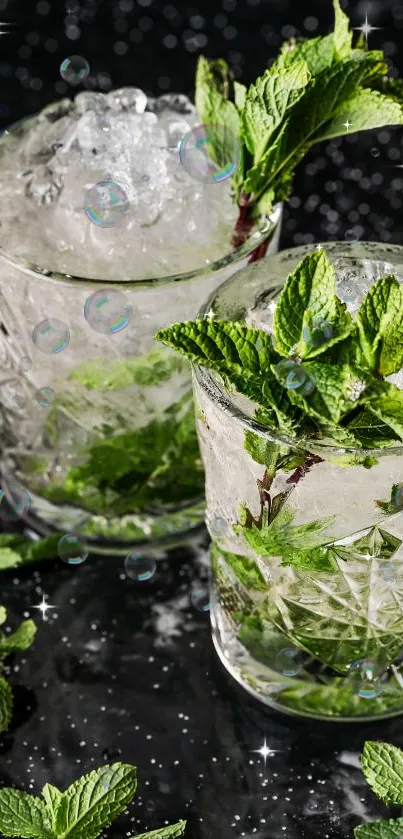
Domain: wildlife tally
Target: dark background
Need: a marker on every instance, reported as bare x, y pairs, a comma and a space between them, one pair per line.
123, 670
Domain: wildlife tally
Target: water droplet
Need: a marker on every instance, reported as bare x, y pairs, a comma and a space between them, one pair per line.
45, 397
15, 503
74, 69
72, 549
108, 311
51, 336
106, 202
25, 364
367, 678
140, 567
319, 333
200, 599
210, 154
289, 661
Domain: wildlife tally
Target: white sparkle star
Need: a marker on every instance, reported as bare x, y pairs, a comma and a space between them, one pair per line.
209, 314
366, 28
347, 124
44, 607
265, 751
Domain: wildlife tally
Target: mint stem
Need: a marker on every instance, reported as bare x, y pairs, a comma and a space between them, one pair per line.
243, 227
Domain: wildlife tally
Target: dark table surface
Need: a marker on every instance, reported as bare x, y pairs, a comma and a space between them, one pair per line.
123, 670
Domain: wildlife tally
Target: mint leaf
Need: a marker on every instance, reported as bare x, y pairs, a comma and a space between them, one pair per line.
172, 831
382, 765
267, 102
105, 374
9, 558
365, 110
221, 345
3, 615
386, 402
318, 53
245, 569
263, 451
335, 391
23, 815
380, 326
18, 550
308, 297
6, 710
369, 431
240, 95
21, 639
217, 113
279, 537
384, 829
94, 801
53, 798
342, 36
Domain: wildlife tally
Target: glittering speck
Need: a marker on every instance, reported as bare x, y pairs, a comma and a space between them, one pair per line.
44, 607
366, 28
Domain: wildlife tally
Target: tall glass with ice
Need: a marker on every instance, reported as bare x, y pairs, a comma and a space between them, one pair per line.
106, 235
307, 551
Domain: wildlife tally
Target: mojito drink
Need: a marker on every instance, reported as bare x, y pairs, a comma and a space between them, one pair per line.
300, 423
106, 235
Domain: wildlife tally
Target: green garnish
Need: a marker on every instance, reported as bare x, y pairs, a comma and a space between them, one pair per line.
81, 812
320, 374
317, 89
382, 765
18, 641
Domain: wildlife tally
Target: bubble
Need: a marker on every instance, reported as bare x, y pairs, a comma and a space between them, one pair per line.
51, 335
217, 527
72, 549
106, 202
25, 364
108, 311
319, 333
15, 503
150, 806
201, 147
289, 661
74, 69
375, 152
387, 571
397, 496
367, 677
296, 377
45, 397
351, 236
140, 567
200, 599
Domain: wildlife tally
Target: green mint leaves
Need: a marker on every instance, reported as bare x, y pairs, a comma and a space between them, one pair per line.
17, 641
382, 765
316, 89
320, 373
81, 812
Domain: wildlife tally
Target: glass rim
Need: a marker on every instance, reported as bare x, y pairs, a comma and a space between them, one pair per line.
258, 235
208, 382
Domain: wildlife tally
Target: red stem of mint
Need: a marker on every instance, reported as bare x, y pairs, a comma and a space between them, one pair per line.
244, 225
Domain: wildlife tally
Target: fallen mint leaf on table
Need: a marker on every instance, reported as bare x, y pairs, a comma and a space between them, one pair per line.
382, 765
6, 704
21, 639
88, 806
384, 829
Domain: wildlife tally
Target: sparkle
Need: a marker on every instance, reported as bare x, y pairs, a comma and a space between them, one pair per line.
3, 31
366, 28
210, 314
347, 124
44, 607
265, 751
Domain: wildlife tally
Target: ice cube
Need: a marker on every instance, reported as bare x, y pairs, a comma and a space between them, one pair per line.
127, 99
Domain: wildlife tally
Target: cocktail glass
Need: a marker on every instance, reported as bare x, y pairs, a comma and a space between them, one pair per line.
311, 643
97, 420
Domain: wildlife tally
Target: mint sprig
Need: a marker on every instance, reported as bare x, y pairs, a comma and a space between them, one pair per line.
17, 641
81, 812
314, 89
337, 392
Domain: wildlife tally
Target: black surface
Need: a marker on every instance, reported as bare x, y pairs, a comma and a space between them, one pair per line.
87, 691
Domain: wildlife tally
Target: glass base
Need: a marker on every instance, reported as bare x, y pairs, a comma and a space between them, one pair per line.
145, 532
296, 687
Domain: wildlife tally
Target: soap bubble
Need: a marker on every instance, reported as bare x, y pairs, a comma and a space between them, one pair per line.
106, 202
397, 496
15, 502
319, 333
51, 335
72, 549
387, 571
45, 397
74, 69
217, 527
108, 311
140, 567
210, 154
289, 661
367, 677
296, 377
25, 364
200, 599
